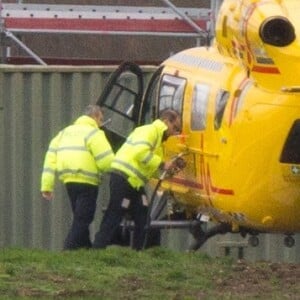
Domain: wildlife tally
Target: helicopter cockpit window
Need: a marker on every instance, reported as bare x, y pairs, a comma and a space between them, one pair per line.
171, 93
221, 100
199, 106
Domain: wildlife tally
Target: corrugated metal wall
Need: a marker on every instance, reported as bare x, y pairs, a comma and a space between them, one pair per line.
35, 103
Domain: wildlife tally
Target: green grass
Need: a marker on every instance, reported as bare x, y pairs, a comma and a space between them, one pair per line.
121, 273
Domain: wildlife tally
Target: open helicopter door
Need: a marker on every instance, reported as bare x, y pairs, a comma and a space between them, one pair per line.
149, 106
121, 102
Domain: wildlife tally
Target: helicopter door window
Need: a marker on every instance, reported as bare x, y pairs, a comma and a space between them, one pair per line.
120, 104
171, 92
149, 105
199, 106
221, 101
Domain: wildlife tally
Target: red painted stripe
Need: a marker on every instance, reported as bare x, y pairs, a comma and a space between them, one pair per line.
216, 189
196, 185
101, 25
188, 183
222, 191
264, 69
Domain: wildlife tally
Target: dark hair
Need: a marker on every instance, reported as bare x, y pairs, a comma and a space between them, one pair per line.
169, 114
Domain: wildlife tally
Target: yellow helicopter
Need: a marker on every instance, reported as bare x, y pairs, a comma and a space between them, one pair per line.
240, 105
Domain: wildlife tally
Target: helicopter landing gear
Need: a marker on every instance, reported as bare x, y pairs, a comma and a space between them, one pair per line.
253, 241
289, 241
201, 236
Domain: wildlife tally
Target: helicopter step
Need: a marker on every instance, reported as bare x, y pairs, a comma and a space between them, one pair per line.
232, 248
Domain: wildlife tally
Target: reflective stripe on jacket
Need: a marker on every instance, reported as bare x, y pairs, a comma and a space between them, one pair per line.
141, 154
79, 153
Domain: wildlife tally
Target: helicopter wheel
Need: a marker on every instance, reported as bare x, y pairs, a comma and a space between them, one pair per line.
253, 241
289, 241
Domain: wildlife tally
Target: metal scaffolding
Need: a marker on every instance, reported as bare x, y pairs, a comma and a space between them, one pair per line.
168, 21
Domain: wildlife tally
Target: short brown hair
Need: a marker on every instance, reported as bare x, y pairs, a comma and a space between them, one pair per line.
169, 114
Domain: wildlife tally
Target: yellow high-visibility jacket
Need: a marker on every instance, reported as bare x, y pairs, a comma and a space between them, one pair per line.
141, 154
78, 153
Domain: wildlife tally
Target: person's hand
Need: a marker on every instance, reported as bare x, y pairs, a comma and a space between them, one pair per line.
178, 163
47, 195
174, 166
168, 165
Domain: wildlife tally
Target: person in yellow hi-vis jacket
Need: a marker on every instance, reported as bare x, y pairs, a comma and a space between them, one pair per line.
79, 154
134, 164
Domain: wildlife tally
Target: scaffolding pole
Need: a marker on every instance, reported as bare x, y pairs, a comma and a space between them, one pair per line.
22, 18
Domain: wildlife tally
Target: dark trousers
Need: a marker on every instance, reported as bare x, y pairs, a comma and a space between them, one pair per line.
83, 199
123, 199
